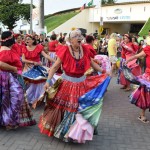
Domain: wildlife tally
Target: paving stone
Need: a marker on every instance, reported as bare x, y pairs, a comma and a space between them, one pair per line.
118, 129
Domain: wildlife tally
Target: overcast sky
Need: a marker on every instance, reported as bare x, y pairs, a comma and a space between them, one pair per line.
52, 6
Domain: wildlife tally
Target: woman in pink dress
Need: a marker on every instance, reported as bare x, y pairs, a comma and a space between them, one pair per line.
31, 57
128, 50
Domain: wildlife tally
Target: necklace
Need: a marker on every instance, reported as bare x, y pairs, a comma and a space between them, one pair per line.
76, 60
74, 54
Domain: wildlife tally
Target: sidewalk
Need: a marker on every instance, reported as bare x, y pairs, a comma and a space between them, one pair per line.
118, 129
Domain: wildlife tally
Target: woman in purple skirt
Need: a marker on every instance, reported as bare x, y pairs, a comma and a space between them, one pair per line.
14, 109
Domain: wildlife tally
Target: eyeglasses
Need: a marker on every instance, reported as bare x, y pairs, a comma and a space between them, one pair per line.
77, 37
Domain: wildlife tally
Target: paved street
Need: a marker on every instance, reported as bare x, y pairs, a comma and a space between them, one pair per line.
118, 129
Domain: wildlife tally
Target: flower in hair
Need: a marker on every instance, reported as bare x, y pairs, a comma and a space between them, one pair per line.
6, 39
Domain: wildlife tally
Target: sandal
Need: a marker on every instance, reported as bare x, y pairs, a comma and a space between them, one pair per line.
11, 127
8, 128
127, 89
143, 119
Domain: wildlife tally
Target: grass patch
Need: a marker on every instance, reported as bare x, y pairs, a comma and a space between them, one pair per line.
145, 29
55, 21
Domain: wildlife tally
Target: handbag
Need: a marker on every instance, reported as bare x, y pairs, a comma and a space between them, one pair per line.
51, 92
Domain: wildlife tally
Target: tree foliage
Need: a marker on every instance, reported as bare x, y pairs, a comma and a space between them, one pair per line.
13, 10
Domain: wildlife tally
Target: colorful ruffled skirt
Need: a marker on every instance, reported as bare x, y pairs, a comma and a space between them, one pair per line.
34, 88
14, 110
141, 96
135, 69
73, 107
35, 77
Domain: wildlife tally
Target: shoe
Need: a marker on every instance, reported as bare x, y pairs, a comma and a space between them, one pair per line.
11, 127
143, 119
8, 128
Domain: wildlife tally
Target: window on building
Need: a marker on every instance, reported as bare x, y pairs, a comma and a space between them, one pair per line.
105, 31
135, 28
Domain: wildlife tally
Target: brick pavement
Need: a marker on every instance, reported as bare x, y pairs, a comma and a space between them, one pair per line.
118, 129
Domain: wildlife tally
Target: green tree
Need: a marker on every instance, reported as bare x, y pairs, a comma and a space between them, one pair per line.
13, 10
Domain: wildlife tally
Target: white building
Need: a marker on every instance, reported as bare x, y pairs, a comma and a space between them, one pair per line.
119, 17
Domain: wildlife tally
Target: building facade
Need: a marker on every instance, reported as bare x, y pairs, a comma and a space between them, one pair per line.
120, 17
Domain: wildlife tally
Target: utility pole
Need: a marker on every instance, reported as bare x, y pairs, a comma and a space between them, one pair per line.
41, 17
31, 9
101, 20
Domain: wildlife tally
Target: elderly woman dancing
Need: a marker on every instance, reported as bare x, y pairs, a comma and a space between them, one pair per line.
72, 114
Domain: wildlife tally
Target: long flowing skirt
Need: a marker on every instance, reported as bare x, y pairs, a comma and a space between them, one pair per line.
136, 71
26, 115
140, 96
35, 78
12, 101
61, 110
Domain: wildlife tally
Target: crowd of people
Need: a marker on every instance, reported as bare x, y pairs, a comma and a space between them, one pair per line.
76, 72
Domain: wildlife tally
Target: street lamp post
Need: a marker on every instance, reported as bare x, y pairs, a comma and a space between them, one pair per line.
101, 19
31, 8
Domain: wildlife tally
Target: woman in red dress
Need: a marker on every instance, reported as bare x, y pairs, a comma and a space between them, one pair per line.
19, 44
90, 42
14, 109
60, 111
128, 50
141, 96
52, 46
31, 57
